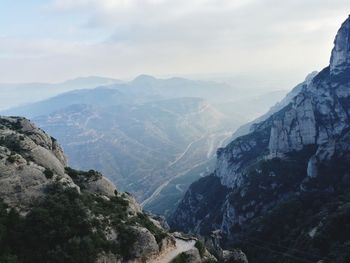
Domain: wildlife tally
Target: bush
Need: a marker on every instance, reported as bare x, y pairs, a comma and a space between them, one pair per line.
144, 221
60, 228
48, 173
181, 258
11, 159
201, 248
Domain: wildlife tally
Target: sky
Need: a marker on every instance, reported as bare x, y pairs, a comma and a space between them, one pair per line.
55, 40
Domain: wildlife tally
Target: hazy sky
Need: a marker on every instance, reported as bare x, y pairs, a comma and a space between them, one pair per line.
53, 40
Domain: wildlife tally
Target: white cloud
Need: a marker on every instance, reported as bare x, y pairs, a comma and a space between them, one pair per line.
122, 38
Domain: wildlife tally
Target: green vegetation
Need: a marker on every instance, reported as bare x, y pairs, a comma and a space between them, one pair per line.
304, 225
81, 177
65, 227
57, 229
48, 173
285, 231
89, 175
143, 220
11, 158
181, 258
201, 248
11, 125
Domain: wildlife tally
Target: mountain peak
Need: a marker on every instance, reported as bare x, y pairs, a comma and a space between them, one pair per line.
144, 78
340, 58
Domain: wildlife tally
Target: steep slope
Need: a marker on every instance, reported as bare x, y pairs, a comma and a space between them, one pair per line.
139, 147
281, 191
52, 213
146, 135
245, 129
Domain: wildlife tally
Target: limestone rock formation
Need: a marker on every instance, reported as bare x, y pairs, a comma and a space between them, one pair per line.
294, 158
34, 171
340, 59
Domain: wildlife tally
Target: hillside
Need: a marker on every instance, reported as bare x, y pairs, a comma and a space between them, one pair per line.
52, 213
152, 137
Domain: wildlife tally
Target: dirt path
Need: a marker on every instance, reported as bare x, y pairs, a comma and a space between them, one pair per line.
181, 246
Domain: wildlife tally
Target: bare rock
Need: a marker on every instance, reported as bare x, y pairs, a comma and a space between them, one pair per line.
145, 246
235, 256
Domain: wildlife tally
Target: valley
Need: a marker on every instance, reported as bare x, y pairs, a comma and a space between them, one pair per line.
148, 139
161, 131
281, 186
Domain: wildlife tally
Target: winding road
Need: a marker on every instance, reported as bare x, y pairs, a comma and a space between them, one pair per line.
184, 152
211, 149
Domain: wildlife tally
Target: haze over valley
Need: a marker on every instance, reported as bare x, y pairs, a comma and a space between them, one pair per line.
151, 137
160, 131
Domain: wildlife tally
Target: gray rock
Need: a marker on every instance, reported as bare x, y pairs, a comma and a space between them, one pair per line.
315, 120
235, 256
340, 59
192, 256
29, 161
145, 246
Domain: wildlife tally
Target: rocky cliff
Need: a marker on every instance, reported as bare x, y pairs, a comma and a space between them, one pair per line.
269, 184
52, 213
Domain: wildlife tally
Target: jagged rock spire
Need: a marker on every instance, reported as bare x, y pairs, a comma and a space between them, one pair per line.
340, 58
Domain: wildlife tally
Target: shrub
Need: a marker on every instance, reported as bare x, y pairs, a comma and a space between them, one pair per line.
48, 173
181, 258
144, 221
11, 159
60, 228
201, 248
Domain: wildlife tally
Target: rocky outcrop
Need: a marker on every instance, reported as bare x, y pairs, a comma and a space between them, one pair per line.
33, 168
300, 150
29, 161
340, 59
318, 114
192, 256
235, 256
248, 127
146, 245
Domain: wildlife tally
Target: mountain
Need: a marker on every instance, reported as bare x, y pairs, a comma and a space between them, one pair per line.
142, 89
143, 146
245, 129
282, 190
152, 137
19, 94
50, 212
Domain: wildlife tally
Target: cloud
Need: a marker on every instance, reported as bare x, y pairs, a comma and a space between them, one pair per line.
122, 38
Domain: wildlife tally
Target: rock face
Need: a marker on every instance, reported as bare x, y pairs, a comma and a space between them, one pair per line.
33, 171
248, 127
340, 59
302, 150
30, 160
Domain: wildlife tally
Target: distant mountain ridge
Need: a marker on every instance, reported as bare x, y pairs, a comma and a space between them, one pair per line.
52, 213
18, 94
152, 137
